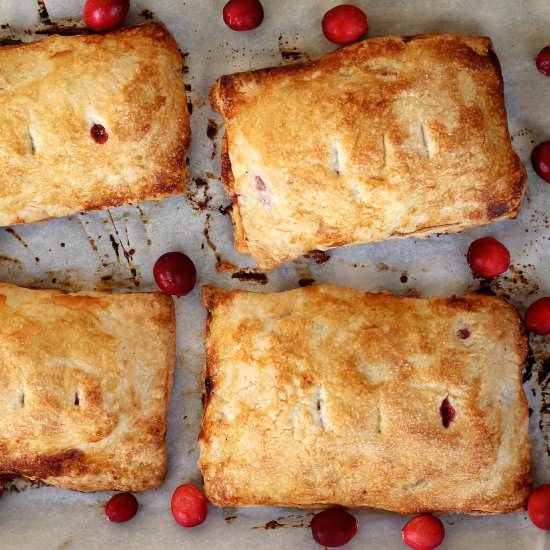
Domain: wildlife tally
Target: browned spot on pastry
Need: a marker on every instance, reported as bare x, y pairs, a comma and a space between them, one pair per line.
496, 209
251, 276
463, 333
53, 465
447, 412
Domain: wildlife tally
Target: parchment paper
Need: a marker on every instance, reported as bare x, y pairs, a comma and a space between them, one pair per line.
116, 250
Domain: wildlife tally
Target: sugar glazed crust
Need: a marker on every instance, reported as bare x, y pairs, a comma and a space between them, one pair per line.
390, 137
85, 387
326, 396
53, 91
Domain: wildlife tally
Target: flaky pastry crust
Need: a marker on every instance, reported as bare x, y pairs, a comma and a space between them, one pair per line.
390, 137
326, 396
85, 387
53, 91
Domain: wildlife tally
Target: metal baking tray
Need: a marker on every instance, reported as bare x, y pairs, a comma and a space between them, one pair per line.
115, 250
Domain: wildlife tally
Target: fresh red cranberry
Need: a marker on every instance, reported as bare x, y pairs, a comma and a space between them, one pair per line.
104, 15
488, 257
345, 24
538, 507
537, 316
98, 132
189, 505
423, 532
540, 158
175, 273
447, 412
543, 61
121, 507
333, 527
243, 15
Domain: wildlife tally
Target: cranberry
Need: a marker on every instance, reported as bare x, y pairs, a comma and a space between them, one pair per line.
121, 507
537, 316
98, 132
345, 24
333, 527
423, 532
189, 505
104, 15
538, 507
488, 257
543, 61
540, 158
175, 273
447, 412
243, 15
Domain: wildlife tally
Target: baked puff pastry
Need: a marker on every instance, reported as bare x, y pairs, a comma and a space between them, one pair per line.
90, 122
390, 137
326, 396
85, 387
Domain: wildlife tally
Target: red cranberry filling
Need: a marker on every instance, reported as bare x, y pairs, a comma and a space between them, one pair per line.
463, 333
447, 412
98, 132
260, 184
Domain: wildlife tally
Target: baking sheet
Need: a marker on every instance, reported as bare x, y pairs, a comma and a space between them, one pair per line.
115, 250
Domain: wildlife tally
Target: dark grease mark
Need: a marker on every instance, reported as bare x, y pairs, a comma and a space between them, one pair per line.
115, 246
16, 235
403, 278
211, 129
529, 363
274, 524
230, 519
10, 42
306, 282
42, 11
208, 384
146, 14
8, 259
250, 276
318, 256
63, 31
190, 107
544, 371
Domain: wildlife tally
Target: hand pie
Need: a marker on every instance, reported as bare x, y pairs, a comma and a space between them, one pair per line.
326, 396
90, 122
85, 387
390, 137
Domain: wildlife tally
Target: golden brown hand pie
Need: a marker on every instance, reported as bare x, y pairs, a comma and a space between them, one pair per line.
389, 137
85, 387
53, 93
331, 396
